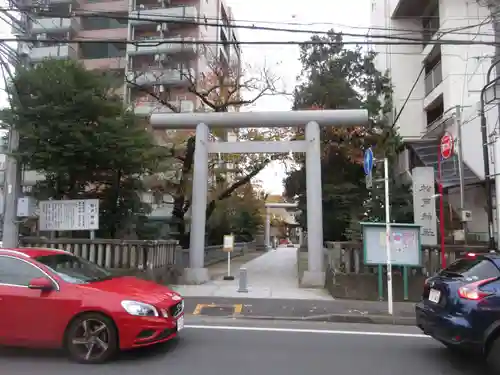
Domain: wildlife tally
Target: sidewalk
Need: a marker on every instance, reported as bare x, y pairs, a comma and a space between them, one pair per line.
347, 311
272, 274
218, 270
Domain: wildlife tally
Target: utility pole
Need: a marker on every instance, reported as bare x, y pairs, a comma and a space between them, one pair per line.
494, 6
458, 123
12, 185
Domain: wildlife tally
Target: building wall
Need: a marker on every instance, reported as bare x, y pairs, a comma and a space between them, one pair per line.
403, 63
464, 70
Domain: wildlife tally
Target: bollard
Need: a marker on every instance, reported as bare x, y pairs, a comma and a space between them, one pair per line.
243, 283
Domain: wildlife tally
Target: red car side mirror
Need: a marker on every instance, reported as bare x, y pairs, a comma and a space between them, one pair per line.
41, 283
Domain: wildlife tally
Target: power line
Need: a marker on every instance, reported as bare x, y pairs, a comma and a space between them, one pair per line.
150, 43
409, 95
187, 21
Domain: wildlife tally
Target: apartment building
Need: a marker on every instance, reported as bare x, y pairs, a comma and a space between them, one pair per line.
453, 75
163, 68
164, 60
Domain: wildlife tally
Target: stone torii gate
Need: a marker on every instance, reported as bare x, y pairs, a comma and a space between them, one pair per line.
267, 224
197, 273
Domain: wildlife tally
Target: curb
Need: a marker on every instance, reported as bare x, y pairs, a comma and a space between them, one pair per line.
330, 318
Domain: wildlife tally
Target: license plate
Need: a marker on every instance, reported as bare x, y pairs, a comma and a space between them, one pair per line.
434, 295
180, 323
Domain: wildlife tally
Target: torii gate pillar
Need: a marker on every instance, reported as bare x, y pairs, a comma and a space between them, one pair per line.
312, 120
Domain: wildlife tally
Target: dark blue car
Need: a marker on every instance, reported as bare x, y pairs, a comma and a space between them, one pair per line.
460, 306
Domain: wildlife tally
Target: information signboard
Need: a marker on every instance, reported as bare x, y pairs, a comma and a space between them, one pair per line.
405, 244
228, 245
68, 215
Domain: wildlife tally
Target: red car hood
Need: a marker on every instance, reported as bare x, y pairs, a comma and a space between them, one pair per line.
135, 289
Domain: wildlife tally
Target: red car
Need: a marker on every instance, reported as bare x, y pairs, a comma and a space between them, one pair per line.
51, 299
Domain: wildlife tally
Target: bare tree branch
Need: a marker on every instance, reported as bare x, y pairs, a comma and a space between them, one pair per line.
143, 88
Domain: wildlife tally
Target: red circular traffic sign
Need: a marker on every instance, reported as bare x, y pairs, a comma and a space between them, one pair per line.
446, 146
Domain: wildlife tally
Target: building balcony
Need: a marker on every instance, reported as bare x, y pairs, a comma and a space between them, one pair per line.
111, 34
435, 129
48, 25
179, 14
111, 63
433, 78
153, 46
152, 77
104, 6
61, 52
146, 108
29, 178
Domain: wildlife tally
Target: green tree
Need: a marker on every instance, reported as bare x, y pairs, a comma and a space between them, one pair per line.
240, 214
334, 77
73, 129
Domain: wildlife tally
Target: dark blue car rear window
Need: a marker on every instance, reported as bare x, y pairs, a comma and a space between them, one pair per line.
477, 268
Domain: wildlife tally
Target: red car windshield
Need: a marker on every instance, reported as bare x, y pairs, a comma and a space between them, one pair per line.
73, 269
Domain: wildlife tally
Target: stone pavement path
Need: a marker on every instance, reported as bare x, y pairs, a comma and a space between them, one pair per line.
271, 275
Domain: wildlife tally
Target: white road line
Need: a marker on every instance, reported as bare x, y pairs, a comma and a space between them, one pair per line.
299, 330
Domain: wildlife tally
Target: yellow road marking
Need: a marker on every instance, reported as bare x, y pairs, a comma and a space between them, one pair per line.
237, 308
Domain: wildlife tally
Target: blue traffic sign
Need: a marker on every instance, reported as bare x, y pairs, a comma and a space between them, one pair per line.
368, 161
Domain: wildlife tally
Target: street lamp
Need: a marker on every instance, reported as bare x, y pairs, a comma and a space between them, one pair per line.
489, 94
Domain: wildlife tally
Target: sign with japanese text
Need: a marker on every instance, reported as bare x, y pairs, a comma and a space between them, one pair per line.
424, 204
66, 215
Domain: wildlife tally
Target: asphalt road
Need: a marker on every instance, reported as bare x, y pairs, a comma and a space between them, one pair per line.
214, 346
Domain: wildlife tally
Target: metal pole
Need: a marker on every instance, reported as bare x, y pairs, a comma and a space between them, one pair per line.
458, 123
487, 177
441, 210
267, 230
495, 12
12, 184
496, 154
388, 237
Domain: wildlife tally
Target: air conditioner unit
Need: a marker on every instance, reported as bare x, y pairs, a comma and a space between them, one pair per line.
466, 216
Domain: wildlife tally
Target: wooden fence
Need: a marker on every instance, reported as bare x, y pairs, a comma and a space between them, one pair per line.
154, 258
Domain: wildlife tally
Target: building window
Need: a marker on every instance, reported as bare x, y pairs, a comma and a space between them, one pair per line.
430, 24
102, 50
101, 23
433, 70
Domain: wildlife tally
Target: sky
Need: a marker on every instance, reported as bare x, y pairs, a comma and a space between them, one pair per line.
321, 15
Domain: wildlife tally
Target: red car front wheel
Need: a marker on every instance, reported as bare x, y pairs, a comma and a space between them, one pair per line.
91, 338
